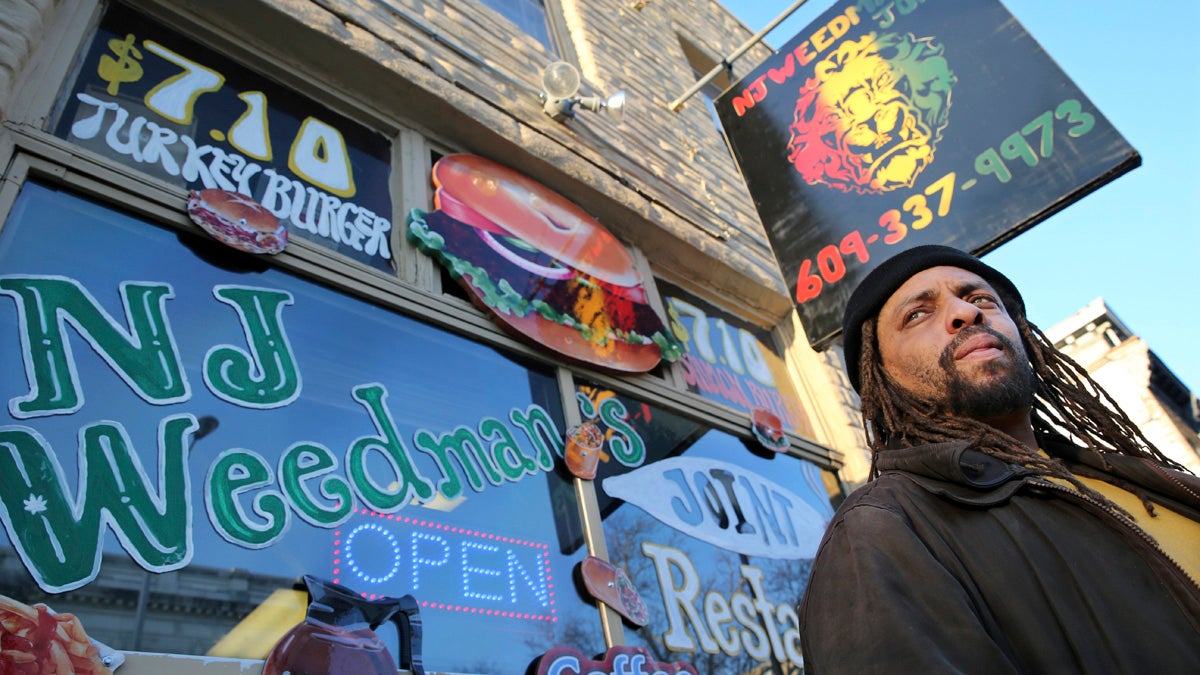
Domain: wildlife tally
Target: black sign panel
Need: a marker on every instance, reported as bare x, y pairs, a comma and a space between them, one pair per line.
151, 98
886, 125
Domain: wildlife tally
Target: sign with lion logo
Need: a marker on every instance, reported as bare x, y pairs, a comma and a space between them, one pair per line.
889, 124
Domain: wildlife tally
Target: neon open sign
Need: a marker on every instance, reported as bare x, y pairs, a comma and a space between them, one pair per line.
445, 567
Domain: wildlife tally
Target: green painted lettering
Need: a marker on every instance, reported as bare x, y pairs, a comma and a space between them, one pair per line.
629, 450
58, 538
304, 462
543, 433
145, 355
505, 453
468, 449
267, 377
585, 405
234, 473
410, 482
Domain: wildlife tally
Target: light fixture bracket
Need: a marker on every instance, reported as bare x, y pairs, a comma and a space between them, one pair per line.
560, 84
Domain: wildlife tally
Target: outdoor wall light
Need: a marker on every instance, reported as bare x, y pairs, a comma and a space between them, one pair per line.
560, 83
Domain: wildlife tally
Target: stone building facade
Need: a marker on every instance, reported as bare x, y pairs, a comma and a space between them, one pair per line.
1157, 401
410, 82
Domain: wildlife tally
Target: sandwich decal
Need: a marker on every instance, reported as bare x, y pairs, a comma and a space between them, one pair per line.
609, 584
767, 428
238, 221
540, 266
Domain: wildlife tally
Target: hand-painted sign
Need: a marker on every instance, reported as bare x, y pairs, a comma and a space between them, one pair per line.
885, 125
109, 444
724, 505
151, 98
730, 361
58, 541
754, 619
220, 414
542, 267
617, 661
684, 512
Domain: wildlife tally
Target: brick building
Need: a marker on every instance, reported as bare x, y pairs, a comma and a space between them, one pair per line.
210, 424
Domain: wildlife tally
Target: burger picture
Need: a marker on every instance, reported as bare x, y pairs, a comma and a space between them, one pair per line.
237, 220
767, 428
542, 267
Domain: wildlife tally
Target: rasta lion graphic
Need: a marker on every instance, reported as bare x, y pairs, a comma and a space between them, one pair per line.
871, 115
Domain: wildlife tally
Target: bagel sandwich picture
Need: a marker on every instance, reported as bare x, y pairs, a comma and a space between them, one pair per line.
540, 266
238, 221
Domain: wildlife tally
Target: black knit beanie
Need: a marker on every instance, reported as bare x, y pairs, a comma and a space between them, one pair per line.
874, 291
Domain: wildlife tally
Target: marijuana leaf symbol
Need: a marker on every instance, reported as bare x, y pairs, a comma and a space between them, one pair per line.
35, 504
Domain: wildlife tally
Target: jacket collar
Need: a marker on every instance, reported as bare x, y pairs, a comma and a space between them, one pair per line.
954, 470
1176, 489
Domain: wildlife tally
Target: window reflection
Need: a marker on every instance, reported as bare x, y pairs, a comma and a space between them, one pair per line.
410, 461
530, 16
717, 537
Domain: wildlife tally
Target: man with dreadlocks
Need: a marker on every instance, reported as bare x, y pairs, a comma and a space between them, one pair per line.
1016, 521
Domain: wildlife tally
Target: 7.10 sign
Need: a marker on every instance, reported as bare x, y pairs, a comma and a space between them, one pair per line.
154, 99
886, 125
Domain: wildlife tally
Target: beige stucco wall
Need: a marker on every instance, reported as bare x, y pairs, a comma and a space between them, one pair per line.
1122, 363
21, 25
1124, 372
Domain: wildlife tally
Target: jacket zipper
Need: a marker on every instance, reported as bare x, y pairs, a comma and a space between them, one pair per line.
1183, 486
1121, 519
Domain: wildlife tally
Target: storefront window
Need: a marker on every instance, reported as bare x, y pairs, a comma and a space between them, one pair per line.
187, 429
154, 99
716, 535
732, 362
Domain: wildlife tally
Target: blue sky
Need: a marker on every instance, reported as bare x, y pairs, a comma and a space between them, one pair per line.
1135, 242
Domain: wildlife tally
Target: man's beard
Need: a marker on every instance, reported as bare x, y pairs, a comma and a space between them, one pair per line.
981, 399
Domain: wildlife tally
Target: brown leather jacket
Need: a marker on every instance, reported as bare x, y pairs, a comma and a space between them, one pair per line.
953, 561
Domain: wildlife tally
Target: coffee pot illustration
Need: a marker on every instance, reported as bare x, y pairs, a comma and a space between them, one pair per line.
337, 637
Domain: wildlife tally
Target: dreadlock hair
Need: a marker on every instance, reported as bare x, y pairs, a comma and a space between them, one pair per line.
1067, 401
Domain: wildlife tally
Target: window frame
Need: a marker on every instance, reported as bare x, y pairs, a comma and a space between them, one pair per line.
561, 47
413, 288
